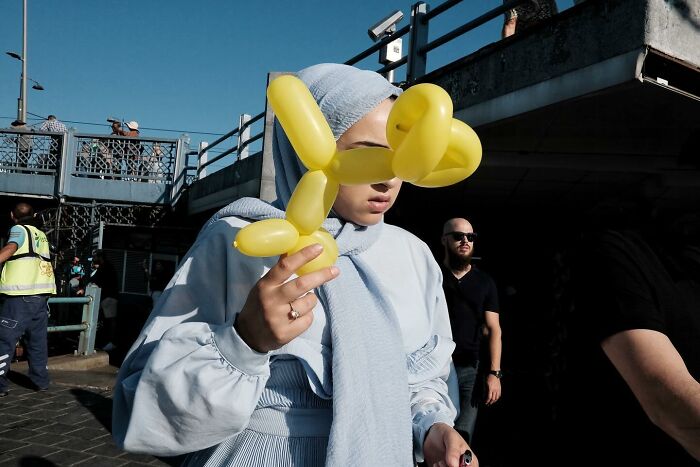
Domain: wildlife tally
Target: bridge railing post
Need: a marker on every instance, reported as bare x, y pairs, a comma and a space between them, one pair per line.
67, 164
202, 158
91, 310
418, 38
178, 180
243, 136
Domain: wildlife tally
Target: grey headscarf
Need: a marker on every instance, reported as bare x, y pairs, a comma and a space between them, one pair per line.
344, 94
371, 413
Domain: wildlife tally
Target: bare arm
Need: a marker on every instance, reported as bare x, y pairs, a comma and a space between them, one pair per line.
509, 22
493, 326
659, 379
7, 251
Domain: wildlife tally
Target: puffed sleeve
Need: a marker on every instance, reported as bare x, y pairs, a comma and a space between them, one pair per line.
430, 366
189, 381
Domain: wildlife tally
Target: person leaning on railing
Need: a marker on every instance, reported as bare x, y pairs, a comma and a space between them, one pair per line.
132, 149
52, 125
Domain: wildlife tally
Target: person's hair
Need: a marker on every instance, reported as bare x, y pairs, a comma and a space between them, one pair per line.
22, 211
98, 258
51, 117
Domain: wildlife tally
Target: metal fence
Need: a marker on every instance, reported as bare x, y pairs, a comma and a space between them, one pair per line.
88, 322
124, 158
30, 152
237, 141
152, 160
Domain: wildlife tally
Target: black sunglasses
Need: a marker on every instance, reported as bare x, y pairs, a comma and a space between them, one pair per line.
459, 236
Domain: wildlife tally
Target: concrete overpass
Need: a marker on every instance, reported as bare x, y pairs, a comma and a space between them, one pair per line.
575, 114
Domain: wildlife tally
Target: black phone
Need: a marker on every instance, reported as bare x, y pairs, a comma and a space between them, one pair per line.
465, 459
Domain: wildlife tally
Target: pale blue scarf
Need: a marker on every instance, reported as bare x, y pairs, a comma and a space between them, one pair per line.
371, 412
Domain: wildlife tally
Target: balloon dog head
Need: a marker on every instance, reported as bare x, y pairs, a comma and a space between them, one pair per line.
428, 148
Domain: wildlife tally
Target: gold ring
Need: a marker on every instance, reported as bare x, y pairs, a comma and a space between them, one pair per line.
293, 313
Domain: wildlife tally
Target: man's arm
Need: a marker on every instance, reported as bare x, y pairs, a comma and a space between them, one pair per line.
7, 252
493, 326
656, 373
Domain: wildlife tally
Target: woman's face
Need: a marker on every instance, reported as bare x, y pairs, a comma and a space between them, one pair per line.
366, 204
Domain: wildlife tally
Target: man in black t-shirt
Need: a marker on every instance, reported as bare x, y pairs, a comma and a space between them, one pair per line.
633, 385
472, 303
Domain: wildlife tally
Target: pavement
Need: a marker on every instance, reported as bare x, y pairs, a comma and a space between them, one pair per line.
70, 423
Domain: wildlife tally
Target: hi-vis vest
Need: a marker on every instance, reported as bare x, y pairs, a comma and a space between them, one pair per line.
29, 270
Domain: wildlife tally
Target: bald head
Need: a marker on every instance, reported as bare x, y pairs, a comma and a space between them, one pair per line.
21, 211
458, 241
457, 224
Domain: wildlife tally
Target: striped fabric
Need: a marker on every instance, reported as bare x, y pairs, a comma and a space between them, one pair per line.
278, 434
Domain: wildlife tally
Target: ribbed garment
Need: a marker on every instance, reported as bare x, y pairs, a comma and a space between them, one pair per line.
289, 427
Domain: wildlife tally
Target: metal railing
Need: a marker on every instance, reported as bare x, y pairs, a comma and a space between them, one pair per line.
73, 159
241, 147
415, 60
124, 158
417, 57
30, 152
88, 324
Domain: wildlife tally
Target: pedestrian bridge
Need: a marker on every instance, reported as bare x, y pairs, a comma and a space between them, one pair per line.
80, 166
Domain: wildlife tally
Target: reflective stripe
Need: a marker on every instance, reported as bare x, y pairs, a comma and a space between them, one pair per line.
24, 258
17, 287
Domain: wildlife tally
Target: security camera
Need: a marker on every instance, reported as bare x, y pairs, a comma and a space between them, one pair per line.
387, 25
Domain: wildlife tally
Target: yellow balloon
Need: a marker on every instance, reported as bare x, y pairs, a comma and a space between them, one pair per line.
269, 237
362, 165
302, 120
428, 148
325, 259
311, 201
461, 159
418, 130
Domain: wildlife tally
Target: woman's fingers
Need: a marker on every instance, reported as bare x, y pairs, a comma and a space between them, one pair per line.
288, 265
278, 310
303, 284
302, 305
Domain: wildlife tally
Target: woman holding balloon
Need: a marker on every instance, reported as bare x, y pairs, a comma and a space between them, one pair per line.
266, 360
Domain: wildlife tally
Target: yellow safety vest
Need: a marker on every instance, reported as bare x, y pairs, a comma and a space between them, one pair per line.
29, 270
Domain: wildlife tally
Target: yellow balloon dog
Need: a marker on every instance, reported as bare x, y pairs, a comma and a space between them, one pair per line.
428, 148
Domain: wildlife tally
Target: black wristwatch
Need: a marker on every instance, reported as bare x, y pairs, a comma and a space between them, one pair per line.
497, 373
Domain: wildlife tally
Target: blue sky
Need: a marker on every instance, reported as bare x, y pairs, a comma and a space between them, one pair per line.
191, 66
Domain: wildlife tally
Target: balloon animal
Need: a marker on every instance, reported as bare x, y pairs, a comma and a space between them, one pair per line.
428, 148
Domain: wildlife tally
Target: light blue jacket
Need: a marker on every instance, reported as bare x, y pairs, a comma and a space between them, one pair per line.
190, 382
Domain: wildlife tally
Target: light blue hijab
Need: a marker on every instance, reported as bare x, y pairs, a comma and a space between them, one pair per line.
371, 412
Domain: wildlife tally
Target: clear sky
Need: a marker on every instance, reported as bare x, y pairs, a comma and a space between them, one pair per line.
191, 66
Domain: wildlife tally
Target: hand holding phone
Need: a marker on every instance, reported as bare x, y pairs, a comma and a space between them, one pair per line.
465, 459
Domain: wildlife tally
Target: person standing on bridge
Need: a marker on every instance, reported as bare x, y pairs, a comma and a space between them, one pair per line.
244, 363
53, 125
26, 281
132, 149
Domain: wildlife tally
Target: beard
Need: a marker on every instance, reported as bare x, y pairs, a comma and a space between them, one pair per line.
459, 262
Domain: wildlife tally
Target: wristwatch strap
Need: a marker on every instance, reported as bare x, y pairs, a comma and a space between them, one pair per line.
497, 373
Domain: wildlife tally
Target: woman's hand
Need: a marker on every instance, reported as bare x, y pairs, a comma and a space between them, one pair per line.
443, 447
278, 310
